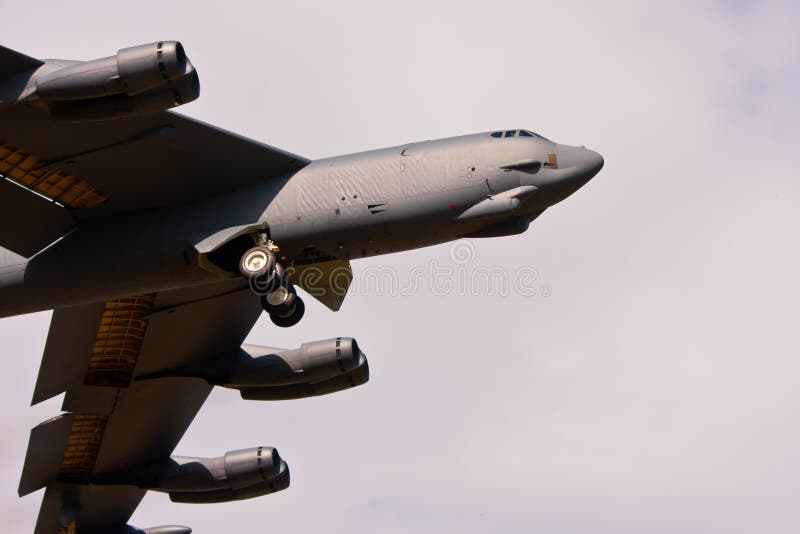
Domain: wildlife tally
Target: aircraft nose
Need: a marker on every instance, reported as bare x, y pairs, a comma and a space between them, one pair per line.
567, 169
594, 162
583, 162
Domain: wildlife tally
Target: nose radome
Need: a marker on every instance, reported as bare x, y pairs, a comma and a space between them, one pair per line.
594, 162
583, 163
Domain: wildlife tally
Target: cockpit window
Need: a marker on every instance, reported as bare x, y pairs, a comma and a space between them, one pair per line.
514, 133
527, 133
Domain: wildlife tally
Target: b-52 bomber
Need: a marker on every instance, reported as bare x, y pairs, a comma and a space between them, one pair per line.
158, 241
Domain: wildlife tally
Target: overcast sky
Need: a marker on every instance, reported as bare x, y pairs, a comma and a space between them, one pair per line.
649, 385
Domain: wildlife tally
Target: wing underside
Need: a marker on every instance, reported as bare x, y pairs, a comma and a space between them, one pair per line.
102, 168
56, 175
87, 169
111, 421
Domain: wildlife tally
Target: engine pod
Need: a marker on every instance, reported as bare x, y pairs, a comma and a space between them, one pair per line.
279, 482
312, 362
243, 468
356, 377
132, 71
233, 471
118, 106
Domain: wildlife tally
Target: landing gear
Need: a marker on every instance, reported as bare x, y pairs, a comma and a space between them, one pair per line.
280, 300
291, 316
258, 262
266, 277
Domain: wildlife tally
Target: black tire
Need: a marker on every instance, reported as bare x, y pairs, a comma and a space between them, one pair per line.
279, 308
266, 284
285, 321
257, 262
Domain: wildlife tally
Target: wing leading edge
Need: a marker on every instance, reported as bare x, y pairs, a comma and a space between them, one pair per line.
158, 160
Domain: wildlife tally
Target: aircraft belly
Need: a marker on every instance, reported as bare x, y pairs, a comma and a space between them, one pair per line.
399, 225
101, 262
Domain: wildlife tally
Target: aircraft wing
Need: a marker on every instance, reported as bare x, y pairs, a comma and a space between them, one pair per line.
84, 169
112, 421
101, 168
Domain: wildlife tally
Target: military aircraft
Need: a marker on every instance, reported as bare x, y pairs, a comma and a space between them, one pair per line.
158, 240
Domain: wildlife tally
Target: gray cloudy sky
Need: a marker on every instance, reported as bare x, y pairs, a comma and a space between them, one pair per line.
654, 389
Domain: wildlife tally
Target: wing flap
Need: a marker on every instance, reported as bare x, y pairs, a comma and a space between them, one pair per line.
129, 423
28, 222
69, 343
46, 447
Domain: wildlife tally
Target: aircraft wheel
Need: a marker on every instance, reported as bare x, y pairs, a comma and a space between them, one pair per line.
258, 262
280, 300
293, 317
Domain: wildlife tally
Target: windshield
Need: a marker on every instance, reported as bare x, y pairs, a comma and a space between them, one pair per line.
528, 133
518, 133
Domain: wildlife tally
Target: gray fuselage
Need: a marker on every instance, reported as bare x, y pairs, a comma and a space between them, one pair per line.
344, 207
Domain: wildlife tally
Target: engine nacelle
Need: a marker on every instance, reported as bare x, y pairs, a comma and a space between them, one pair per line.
356, 377
236, 470
132, 71
254, 366
261, 373
173, 94
138, 80
237, 475
277, 483
312, 362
